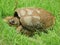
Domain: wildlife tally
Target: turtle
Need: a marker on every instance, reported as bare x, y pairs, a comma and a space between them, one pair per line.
32, 19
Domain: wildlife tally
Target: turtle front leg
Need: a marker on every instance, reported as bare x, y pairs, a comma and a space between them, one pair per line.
19, 29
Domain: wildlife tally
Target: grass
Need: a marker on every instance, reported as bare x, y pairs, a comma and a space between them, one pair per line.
8, 35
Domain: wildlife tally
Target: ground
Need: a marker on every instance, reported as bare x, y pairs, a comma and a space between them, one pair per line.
8, 35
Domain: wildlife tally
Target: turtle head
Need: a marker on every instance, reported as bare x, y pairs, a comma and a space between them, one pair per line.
14, 21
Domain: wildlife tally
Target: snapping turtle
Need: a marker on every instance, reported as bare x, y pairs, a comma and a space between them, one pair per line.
32, 19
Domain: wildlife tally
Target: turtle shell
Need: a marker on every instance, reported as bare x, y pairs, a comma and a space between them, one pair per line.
34, 18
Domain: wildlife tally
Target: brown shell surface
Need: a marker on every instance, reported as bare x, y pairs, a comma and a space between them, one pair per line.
35, 17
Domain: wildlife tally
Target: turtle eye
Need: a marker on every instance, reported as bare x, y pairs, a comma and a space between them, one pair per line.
11, 21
